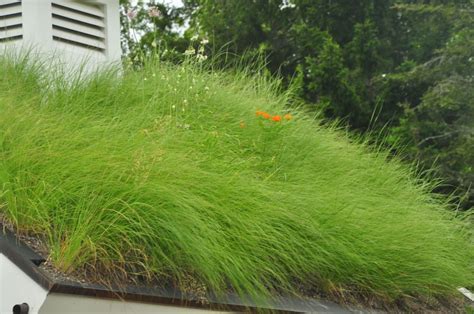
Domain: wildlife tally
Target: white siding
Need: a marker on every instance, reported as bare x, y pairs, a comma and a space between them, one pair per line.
16, 288
65, 303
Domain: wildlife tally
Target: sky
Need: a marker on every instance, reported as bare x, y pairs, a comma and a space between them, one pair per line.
175, 3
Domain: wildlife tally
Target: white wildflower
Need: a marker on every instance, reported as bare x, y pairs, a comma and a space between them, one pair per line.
201, 57
190, 51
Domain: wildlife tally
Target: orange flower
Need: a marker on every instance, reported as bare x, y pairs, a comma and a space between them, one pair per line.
276, 118
263, 114
288, 117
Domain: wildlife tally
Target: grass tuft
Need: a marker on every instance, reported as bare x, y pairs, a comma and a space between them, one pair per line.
168, 172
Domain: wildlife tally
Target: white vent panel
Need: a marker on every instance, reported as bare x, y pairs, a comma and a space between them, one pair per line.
82, 35
11, 27
10, 21
81, 25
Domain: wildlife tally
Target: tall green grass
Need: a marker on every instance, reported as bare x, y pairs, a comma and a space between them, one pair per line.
167, 172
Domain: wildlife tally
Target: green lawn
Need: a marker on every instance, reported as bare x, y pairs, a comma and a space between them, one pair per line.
168, 172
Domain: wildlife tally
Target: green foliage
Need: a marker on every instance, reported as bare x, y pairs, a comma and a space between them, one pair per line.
364, 48
326, 82
167, 173
441, 124
416, 21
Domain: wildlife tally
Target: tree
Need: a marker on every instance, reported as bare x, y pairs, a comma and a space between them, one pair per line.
152, 27
326, 82
440, 127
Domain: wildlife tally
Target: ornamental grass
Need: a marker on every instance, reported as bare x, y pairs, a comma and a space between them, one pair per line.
166, 173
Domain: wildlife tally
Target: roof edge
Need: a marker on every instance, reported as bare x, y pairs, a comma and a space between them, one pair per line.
29, 262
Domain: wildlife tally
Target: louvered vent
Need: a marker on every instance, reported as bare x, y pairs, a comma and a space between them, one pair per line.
80, 25
11, 27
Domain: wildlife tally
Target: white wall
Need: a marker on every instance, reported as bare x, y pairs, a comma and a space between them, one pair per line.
65, 303
16, 288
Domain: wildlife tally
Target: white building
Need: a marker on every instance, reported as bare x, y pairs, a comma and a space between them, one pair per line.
70, 32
